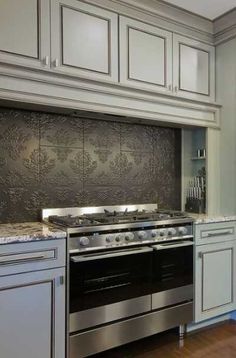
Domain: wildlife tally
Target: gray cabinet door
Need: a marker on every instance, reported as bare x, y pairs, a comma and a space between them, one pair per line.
145, 56
193, 69
84, 40
32, 315
215, 280
25, 32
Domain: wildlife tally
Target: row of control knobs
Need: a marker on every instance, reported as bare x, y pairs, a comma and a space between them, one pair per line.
142, 235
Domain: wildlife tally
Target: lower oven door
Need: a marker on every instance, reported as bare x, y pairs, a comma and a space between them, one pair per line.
109, 285
172, 274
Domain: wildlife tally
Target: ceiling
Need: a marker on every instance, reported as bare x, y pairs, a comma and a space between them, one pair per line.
207, 8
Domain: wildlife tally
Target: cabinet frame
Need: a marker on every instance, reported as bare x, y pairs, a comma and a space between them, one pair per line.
57, 64
179, 40
125, 25
56, 278
43, 30
202, 314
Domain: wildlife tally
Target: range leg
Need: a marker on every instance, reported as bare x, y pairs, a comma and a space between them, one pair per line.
182, 331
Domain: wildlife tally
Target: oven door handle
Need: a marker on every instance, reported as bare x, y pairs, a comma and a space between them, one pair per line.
172, 245
92, 257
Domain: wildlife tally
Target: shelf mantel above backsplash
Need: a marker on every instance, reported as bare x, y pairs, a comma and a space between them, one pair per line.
45, 89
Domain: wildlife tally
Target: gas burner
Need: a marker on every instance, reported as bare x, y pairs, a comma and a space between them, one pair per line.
71, 221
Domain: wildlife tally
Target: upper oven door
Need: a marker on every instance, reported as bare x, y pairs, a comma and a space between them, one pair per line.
99, 279
172, 265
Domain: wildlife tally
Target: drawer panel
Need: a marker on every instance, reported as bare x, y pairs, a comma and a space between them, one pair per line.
215, 232
32, 256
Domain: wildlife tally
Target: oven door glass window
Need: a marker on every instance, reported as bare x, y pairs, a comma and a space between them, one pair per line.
172, 267
106, 280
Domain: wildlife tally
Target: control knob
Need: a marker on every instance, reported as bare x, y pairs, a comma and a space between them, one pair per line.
183, 230
171, 231
109, 238
142, 235
162, 232
155, 233
129, 236
84, 241
118, 238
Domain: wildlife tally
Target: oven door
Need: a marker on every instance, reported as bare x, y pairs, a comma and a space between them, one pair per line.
172, 273
109, 285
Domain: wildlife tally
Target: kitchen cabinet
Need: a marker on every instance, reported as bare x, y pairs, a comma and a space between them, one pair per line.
215, 269
32, 300
84, 40
25, 33
193, 69
155, 59
145, 56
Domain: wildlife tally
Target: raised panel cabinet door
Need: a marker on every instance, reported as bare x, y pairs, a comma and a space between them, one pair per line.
215, 280
193, 69
25, 32
32, 315
145, 56
84, 40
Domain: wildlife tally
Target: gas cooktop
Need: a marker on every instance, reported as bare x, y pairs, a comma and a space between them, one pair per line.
95, 228
114, 217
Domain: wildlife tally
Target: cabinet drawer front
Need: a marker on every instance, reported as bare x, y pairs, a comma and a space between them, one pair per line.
215, 232
32, 256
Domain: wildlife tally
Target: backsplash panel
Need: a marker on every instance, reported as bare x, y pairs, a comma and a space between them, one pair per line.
52, 160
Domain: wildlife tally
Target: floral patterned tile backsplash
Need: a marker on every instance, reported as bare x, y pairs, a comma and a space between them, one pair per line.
52, 160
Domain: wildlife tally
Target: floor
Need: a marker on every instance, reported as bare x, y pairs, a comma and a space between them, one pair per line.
215, 342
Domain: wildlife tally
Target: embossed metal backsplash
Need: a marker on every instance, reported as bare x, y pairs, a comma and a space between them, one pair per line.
50, 160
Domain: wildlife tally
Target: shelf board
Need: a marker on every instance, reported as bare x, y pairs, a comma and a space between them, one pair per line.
198, 158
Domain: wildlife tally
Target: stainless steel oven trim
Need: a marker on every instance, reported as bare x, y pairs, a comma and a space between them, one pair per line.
127, 226
107, 254
112, 335
172, 245
95, 209
171, 297
108, 313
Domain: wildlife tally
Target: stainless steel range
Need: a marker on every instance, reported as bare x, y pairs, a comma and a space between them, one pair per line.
130, 273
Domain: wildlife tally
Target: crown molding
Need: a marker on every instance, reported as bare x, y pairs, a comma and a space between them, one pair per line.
225, 27
163, 15
169, 17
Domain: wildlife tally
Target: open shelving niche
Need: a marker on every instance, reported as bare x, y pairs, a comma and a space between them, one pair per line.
192, 165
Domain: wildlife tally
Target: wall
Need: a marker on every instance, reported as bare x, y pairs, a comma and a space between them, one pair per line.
226, 95
51, 160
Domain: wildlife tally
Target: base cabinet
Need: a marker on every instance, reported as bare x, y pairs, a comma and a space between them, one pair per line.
32, 315
32, 300
215, 269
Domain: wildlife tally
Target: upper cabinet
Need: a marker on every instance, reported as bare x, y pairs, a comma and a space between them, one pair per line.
154, 59
84, 40
145, 56
25, 32
193, 69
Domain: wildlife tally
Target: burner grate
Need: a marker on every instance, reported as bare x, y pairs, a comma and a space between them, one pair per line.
114, 217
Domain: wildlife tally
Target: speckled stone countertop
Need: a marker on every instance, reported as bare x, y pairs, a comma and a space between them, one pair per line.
207, 219
30, 231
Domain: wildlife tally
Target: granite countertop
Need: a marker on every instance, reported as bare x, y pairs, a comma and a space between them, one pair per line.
207, 219
29, 231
